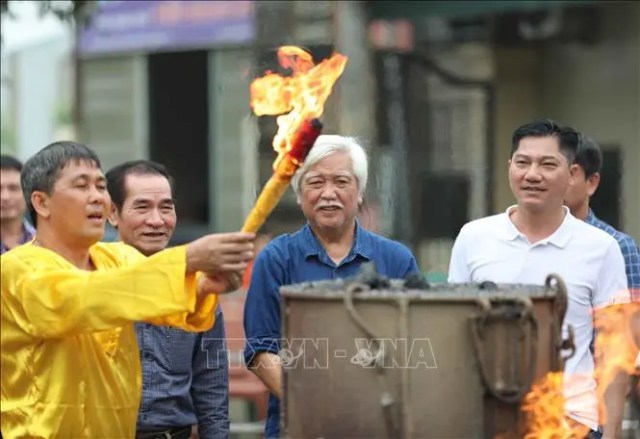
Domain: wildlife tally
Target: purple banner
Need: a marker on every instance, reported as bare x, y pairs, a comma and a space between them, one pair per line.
128, 26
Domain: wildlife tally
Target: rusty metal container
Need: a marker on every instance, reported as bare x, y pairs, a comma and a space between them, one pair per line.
371, 358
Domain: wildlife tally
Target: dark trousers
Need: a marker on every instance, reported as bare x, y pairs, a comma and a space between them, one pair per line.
168, 433
593, 434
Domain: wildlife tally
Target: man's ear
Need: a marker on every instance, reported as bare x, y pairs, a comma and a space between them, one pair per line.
40, 203
573, 171
113, 216
592, 184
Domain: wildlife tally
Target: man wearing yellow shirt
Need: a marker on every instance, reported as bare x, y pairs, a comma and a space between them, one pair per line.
70, 363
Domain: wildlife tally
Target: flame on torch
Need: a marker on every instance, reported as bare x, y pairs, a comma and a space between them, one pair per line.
299, 101
295, 98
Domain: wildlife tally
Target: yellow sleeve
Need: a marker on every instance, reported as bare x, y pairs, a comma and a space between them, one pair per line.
48, 301
200, 320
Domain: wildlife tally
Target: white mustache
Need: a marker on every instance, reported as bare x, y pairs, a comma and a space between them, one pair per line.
323, 205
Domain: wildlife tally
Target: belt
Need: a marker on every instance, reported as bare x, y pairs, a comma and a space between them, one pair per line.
169, 433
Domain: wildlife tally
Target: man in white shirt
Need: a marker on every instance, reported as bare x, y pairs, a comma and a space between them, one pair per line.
539, 236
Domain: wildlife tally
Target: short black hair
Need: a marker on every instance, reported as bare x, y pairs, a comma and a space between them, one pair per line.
589, 156
8, 162
568, 138
117, 175
42, 170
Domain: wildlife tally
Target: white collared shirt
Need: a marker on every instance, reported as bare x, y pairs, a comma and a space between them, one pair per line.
588, 260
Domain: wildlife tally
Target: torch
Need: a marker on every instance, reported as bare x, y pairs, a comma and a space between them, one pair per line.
284, 172
299, 100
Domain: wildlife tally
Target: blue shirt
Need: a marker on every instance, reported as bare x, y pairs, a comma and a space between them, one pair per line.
299, 257
630, 253
28, 232
184, 379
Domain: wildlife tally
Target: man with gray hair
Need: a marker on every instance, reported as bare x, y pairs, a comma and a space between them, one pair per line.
70, 362
329, 187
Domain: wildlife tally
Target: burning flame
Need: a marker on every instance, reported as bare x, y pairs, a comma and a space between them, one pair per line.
544, 405
295, 98
299, 100
617, 345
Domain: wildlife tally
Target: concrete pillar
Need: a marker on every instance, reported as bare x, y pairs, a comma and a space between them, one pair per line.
518, 101
355, 99
356, 95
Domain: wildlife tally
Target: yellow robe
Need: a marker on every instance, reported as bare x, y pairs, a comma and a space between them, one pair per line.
70, 362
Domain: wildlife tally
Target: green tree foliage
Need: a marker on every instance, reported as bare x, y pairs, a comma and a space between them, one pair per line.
66, 11
75, 11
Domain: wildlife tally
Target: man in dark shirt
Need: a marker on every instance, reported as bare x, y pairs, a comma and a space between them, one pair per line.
589, 161
184, 375
329, 186
14, 229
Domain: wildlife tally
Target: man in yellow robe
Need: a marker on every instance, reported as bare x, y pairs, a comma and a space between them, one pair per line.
70, 364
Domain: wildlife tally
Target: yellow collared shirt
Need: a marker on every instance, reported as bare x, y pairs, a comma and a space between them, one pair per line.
70, 362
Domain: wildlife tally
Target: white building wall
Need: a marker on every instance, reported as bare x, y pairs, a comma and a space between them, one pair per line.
596, 89
38, 84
